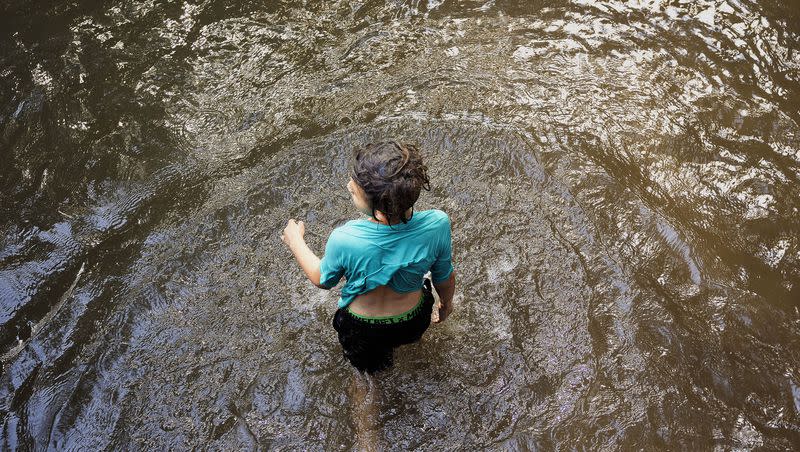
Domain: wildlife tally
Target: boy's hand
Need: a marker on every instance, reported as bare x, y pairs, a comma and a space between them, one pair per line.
445, 290
444, 312
293, 232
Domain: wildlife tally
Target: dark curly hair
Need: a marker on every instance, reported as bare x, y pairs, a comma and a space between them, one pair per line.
392, 175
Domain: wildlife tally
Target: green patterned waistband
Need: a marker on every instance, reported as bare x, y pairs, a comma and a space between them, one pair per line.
391, 319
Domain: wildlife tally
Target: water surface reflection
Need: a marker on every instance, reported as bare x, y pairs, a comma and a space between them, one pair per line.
622, 178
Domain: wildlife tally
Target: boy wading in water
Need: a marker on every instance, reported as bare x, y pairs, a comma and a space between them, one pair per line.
386, 300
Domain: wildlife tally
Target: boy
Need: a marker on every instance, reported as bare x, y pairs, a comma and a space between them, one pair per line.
386, 301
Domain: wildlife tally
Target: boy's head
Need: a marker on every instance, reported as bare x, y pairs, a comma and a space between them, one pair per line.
391, 175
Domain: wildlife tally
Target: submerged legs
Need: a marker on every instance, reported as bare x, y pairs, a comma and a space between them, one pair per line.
364, 395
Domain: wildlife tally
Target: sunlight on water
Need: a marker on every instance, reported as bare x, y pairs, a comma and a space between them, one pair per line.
621, 176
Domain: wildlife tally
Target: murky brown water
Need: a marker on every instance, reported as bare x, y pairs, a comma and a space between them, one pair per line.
622, 178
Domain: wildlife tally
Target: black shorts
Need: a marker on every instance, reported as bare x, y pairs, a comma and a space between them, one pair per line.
368, 343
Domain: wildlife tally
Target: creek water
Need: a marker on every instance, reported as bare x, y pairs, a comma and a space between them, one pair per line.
622, 178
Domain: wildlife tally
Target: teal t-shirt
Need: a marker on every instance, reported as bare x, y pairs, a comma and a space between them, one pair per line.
371, 254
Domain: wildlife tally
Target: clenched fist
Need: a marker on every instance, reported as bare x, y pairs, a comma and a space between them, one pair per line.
293, 232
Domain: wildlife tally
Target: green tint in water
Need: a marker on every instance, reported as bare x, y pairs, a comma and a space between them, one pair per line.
622, 179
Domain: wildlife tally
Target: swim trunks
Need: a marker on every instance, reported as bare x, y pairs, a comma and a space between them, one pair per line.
368, 342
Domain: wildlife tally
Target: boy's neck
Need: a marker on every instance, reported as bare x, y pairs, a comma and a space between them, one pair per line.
408, 214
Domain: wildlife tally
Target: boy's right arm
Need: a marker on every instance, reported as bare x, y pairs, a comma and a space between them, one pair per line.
309, 262
446, 289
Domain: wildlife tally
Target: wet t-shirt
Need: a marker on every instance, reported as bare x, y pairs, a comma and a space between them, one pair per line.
370, 254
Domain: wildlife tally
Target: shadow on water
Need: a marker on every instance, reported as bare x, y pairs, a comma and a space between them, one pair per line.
622, 179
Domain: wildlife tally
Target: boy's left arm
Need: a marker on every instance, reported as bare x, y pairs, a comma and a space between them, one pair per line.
293, 237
